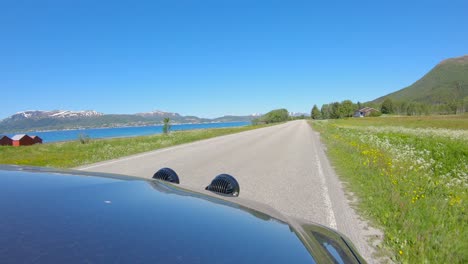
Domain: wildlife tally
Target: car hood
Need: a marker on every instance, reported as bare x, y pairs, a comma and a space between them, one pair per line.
52, 216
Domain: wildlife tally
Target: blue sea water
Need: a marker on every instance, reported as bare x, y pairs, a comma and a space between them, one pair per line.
67, 135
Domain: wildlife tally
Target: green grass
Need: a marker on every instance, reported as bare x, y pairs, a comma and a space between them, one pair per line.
411, 180
72, 154
436, 121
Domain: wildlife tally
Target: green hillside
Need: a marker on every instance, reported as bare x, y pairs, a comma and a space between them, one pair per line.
445, 83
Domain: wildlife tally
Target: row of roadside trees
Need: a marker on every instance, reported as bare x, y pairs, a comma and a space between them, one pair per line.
336, 110
347, 108
417, 108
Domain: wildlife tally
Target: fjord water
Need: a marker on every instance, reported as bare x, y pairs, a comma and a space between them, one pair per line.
67, 135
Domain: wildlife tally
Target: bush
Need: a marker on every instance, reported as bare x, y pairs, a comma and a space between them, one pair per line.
83, 138
167, 125
375, 113
387, 106
274, 116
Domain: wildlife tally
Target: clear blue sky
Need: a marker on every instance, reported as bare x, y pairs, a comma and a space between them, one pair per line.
211, 58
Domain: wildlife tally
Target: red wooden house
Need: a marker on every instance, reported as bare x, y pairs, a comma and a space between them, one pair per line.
6, 141
36, 139
22, 140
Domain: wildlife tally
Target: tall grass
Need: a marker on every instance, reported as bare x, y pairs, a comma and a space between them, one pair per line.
411, 183
437, 121
73, 154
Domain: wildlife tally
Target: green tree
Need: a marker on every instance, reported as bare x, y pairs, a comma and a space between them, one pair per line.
325, 111
387, 106
403, 108
346, 108
411, 109
335, 111
465, 104
315, 114
274, 116
256, 121
167, 125
452, 106
278, 115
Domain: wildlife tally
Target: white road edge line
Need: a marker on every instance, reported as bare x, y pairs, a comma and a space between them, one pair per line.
326, 197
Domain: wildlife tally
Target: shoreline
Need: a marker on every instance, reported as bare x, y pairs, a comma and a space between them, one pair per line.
112, 127
147, 135
70, 135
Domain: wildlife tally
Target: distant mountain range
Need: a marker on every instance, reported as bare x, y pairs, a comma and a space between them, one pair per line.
447, 82
36, 120
59, 114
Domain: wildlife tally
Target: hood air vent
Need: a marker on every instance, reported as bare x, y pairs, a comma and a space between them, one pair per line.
224, 184
166, 174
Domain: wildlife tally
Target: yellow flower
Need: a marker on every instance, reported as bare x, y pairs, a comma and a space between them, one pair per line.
401, 252
455, 200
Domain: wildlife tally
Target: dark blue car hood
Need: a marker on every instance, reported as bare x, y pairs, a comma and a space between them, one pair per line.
49, 216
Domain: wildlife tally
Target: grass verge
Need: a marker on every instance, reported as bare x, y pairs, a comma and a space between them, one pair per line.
73, 153
411, 180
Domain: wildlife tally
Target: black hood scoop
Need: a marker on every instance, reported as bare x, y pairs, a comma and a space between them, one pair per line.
224, 184
166, 174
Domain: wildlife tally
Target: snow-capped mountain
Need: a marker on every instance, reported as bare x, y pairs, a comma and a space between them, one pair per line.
65, 119
39, 114
158, 113
67, 113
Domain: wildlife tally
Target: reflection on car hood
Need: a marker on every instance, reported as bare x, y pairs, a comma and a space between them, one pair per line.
50, 216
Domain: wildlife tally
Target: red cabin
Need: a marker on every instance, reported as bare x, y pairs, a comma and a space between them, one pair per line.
6, 141
22, 140
36, 139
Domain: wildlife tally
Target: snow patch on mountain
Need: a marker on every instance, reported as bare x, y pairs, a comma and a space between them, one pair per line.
158, 113
38, 114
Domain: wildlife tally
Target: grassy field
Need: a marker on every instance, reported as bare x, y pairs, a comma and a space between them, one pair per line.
411, 177
439, 121
72, 154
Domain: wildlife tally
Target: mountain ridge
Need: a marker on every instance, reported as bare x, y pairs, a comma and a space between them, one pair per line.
445, 83
37, 120
54, 114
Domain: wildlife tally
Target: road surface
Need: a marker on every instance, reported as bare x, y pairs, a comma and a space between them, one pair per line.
283, 166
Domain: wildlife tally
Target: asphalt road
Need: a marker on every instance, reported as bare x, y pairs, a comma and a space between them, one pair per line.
283, 166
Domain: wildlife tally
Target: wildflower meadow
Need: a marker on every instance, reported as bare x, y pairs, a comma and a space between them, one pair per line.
410, 181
